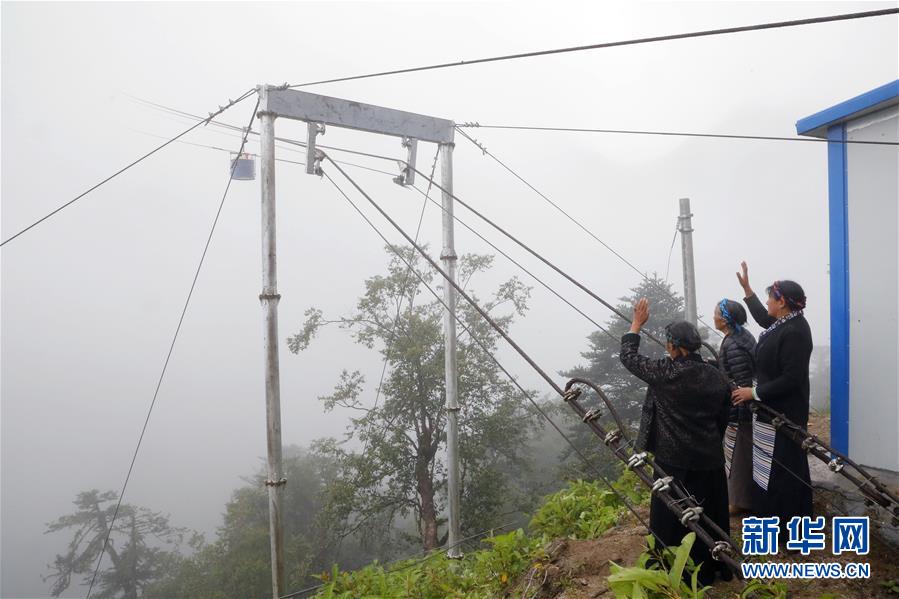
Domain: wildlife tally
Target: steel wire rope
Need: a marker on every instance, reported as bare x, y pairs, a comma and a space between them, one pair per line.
537, 255
479, 342
674, 134
578, 223
211, 147
523, 268
630, 42
221, 109
165, 365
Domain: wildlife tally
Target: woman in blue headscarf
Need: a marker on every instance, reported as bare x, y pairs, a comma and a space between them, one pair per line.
736, 358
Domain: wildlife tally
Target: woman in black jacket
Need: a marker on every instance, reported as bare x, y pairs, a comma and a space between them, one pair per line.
736, 358
683, 420
780, 466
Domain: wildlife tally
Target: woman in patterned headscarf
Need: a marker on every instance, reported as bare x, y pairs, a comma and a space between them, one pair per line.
780, 466
736, 358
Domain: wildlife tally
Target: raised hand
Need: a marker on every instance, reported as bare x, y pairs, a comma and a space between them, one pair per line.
641, 315
744, 279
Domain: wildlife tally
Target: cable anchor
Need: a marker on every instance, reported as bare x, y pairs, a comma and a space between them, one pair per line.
313, 155
407, 168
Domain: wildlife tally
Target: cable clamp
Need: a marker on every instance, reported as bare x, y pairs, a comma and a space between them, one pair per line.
777, 422
591, 415
276, 483
661, 484
469, 124
835, 465
721, 547
691, 514
612, 437
636, 460
809, 444
572, 394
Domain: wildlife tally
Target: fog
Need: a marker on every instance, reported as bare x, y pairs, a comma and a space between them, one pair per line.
92, 296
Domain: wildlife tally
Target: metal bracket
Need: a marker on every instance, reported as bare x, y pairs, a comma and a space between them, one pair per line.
276, 483
612, 436
809, 444
661, 484
591, 415
721, 547
407, 176
313, 156
636, 460
571, 394
691, 514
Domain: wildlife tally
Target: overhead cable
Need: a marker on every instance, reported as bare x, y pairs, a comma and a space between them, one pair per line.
674, 134
629, 42
142, 158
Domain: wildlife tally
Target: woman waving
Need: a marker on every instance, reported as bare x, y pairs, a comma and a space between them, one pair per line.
780, 466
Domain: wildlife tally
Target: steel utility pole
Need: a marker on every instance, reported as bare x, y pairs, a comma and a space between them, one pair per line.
448, 256
685, 226
319, 111
269, 298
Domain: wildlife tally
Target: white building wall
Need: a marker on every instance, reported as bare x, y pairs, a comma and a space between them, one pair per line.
873, 221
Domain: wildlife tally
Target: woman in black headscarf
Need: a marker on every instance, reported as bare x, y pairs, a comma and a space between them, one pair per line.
780, 466
736, 358
682, 423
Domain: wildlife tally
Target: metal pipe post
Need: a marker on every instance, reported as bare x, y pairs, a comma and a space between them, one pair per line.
269, 299
448, 256
685, 226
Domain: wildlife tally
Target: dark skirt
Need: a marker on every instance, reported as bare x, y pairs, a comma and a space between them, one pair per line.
709, 488
786, 492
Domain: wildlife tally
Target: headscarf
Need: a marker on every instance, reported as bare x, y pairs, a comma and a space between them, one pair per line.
791, 292
728, 317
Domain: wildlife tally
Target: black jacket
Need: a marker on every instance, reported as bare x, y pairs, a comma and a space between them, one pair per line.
737, 359
686, 408
782, 359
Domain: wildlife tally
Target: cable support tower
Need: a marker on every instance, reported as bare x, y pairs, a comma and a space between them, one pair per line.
165, 365
722, 548
598, 46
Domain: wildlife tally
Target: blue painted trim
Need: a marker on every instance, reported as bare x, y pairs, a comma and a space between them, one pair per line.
845, 110
839, 288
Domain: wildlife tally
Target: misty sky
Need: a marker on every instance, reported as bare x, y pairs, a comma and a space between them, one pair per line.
91, 298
